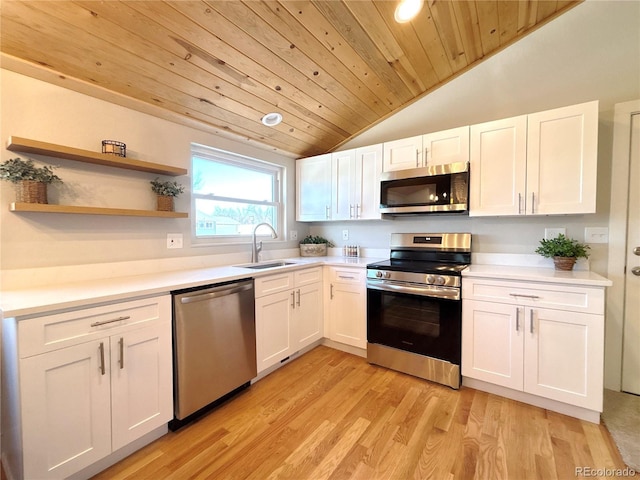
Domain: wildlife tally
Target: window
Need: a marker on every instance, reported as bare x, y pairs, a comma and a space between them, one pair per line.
231, 194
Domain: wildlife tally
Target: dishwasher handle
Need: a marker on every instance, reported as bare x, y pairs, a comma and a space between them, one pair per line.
215, 292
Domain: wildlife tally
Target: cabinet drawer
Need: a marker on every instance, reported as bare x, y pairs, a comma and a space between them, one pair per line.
348, 275
573, 298
51, 332
273, 284
307, 276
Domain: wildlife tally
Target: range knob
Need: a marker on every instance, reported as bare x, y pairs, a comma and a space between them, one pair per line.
378, 274
431, 279
440, 280
387, 274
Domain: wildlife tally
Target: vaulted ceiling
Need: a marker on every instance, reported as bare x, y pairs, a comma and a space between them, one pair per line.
332, 68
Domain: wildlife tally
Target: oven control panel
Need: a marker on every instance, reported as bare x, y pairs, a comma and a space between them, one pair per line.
413, 277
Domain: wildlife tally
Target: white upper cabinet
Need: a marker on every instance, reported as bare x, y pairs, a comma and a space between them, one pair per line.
402, 154
437, 148
498, 167
313, 188
447, 146
562, 155
355, 193
539, 164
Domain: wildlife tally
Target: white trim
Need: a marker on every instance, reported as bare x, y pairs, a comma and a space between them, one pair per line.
618, 212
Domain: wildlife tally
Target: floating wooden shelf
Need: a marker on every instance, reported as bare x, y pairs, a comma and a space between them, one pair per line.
25, 145
49, 208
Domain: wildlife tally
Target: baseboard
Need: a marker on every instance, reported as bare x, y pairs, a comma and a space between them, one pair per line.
343, 347
553, 405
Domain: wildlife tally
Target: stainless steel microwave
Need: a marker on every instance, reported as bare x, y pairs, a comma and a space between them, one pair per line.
436, 189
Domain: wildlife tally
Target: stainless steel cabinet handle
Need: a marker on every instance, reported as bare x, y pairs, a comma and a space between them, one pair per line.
101, 350
121, 343
523, 295
345, 277
331, 296
417, 157
530, 321
636, 271
293, 300
357, 210
517, 319
327, 212
519, 204
119, 319
350, 211
533, 202
298, 302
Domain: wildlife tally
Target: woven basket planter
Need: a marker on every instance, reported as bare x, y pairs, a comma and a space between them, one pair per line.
30, 191
564, 263
165, 203
313, 249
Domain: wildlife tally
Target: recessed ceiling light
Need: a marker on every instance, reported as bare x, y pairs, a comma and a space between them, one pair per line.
272, 119
407, 10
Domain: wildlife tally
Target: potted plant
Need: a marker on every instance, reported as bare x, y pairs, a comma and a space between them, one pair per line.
166, 191
314, 246
564, 251
30, 181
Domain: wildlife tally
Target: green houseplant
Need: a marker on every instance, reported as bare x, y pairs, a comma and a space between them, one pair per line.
314, 246
166, 191
564, 251
30, 181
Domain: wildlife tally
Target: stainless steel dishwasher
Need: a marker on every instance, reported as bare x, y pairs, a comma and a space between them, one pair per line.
214, 345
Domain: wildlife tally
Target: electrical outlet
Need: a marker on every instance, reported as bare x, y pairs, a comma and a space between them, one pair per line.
550, 233
293, 235
596, 235
345, 234
174, 240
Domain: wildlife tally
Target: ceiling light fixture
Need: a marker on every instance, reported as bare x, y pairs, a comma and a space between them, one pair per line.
272, 119
407, 10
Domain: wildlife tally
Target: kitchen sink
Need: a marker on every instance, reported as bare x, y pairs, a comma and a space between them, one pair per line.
261, 265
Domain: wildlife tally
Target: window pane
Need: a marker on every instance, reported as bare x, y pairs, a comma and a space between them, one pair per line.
234, 181
216, 217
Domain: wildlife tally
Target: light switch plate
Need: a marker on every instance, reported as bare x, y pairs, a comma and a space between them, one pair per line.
293, 235
596, 235
345, 234
550, 233
174, 240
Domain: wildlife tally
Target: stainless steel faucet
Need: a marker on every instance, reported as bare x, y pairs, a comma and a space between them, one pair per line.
257, 247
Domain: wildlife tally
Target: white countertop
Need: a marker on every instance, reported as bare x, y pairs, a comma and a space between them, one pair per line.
38, 300
537, 274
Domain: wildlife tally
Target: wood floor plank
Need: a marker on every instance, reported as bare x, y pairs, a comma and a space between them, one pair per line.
331, 415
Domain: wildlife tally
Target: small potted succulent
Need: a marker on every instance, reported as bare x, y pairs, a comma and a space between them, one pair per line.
166, 191
564, 251
314, 246
30, 181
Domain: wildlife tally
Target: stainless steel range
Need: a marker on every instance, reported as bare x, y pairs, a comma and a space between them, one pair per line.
414, 305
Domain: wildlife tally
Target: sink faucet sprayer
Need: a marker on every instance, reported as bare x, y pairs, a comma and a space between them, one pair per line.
257, 247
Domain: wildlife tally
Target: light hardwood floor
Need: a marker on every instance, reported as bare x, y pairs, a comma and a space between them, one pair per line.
329, 414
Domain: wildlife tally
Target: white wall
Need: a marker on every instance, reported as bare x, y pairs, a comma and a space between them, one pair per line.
42, 111
591, 52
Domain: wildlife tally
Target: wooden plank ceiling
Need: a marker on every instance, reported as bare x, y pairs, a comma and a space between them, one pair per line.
331, 68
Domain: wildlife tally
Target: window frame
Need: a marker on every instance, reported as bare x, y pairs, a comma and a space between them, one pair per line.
242, 161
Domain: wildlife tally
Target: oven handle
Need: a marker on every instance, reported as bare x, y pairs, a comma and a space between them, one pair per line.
449, 293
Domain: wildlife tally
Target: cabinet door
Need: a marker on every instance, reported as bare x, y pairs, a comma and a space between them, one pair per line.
307, 315
273, 327
367, 188
447, 146
562, 153
564, 355
141, 382
347, 314
313, 188
402, 154
343, 180
66, 406
492, 343
498, 156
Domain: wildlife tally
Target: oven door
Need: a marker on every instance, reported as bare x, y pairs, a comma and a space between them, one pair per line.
413, 320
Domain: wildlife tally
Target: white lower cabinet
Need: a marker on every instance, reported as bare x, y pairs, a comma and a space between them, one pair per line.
289, 314
512, 338
347, 318
90, 382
